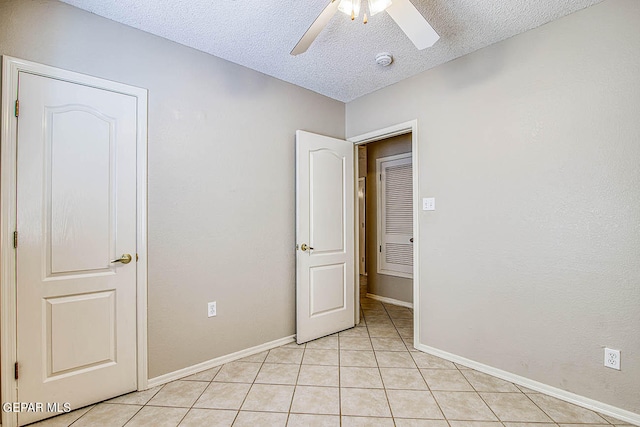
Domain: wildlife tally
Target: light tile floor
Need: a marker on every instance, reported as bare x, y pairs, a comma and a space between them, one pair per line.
366, 376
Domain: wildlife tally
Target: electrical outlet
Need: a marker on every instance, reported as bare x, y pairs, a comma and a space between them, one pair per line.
612, 358
211, 309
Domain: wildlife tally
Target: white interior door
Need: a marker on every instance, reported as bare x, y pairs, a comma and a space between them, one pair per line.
76, 214
325, 257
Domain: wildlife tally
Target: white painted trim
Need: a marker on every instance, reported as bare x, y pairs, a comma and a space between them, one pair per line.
8, 127
141, 238
389, 300
190, 370
8, 386
360, 232
388, 132
585, 402
356, 235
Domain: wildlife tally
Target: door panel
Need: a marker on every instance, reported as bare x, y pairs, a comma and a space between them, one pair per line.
327, 233
325, 297
76, 212
93, 341
79, 233
328, 286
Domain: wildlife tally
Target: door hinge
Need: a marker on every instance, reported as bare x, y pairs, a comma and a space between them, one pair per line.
380, 177
17, 108
380, 248
15, 239
15, 371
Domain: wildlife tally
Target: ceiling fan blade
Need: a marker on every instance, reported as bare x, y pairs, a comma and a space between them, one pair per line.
318, 25
413, 24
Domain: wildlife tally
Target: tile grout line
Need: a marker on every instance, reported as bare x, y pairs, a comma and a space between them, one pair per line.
490, 408
372, 314
295, 386
433, 396
130, 418
479, 395
421, 374
386, 395
378, 363
250, 387
106, 402
425, 380
543, 411
197, 398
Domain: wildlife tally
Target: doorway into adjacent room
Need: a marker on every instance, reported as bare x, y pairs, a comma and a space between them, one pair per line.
385, 219
329, 198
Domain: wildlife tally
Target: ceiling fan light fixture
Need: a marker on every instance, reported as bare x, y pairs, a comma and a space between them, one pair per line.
377, 6
403, 12
350, 7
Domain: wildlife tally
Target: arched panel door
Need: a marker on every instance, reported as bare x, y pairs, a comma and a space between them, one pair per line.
325, 282
76, 256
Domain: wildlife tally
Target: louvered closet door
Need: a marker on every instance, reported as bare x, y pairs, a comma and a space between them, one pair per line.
395, 217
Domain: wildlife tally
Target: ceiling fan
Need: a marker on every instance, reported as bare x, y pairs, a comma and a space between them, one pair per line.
402, 11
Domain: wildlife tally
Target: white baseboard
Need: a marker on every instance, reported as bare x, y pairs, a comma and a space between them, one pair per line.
585, 402
390, 300
190, 370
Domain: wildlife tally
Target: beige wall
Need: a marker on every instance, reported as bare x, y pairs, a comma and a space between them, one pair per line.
221, 182
383, 285
531, 147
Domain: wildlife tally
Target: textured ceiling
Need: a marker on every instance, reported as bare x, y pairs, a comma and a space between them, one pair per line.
341, 62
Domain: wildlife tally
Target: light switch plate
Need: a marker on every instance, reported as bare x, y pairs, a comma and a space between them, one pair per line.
429, 204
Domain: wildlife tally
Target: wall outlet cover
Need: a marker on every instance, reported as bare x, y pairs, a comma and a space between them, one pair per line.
211, 309
612, 358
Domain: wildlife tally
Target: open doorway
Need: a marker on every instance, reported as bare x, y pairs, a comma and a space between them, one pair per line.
385, 220
385, 235
335, 166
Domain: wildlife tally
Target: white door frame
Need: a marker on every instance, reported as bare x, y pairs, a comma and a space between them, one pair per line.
8, 167
376, 135
362, 235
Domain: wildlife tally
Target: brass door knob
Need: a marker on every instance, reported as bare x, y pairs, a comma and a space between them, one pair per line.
125, 259
304, 247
